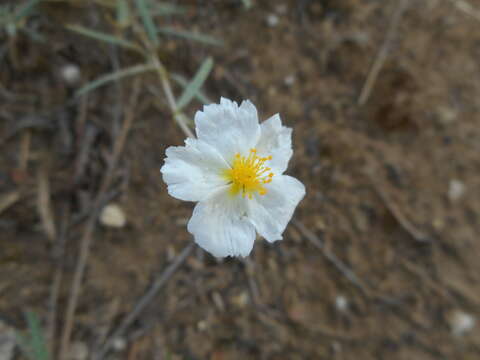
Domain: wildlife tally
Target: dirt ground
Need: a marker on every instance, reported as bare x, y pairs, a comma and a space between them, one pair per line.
392, 184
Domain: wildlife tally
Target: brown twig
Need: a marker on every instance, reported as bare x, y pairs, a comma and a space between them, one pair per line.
332, 258
383, 52
44, 202
252, 284
467, 8
51, 327
411, 229
87, 237
8, 200
146, 299
24, 150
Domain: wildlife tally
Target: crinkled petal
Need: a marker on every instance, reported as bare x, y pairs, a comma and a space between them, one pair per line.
229, 128
275, 140
193, 172
220, 226
271, 212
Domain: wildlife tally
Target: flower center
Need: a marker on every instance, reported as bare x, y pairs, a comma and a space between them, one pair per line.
249, 174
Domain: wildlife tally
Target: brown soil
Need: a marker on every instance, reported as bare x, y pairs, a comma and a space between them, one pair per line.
377, 179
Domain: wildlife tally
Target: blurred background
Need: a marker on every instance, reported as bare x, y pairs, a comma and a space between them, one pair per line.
381, 258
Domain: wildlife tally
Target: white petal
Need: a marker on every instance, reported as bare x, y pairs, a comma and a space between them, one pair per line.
271, 212
275, 140
193, 172
228, 127
220, 226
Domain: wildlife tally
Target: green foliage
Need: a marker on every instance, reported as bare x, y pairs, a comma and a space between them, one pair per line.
33, 344
115, 76
150, 28
194, 86
206, 39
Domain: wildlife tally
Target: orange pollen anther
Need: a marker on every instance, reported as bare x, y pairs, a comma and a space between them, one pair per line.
249, 174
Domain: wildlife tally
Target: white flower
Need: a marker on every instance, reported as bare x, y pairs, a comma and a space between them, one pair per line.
234, 170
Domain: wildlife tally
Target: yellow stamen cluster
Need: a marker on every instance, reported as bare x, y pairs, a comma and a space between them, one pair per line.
249, 174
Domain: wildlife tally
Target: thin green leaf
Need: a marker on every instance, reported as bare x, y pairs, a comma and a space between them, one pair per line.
247, 3
143, 9
123, 12
182, 81
206, 39
194, 86
35, 36
97, 35
38, 343
26, 10
105, 79
165, 9
33, 345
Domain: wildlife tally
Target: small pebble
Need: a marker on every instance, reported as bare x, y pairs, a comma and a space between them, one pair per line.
78, 351
71, 74
460, 322
272, 20
113, 216
240, 300
456, 189
7, 341
341, 303
289, 80
202, 325
119, 344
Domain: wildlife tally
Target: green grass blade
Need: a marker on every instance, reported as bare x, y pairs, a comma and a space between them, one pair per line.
33, 345
194, 86
123, 13
39, 346
165, 9
143, 10
206, 39
183, 82
97, 35
247, 4
105, 79
26, 10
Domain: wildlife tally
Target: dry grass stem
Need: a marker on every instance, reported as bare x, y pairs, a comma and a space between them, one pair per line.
8, 199
146, 299
44, 204
332, 258
87, 237
402, 220
383, 53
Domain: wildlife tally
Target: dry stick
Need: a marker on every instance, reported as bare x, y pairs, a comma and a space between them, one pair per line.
44, 203
164, 80
147, 298
24, 150
8, 199
344, 269
383, 53
57, 278
415, 233
466, 8
90, 226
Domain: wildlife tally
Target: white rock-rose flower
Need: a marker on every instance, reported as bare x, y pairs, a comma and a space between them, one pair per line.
234, 170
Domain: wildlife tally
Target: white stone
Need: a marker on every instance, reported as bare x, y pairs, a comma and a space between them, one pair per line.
7, 341
289, 80
70, 73
456, 189
341, 303
119, 344
78, 351
272, 20
461, 322
113, 216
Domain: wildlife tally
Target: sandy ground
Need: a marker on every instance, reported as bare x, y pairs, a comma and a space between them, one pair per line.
392, 184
